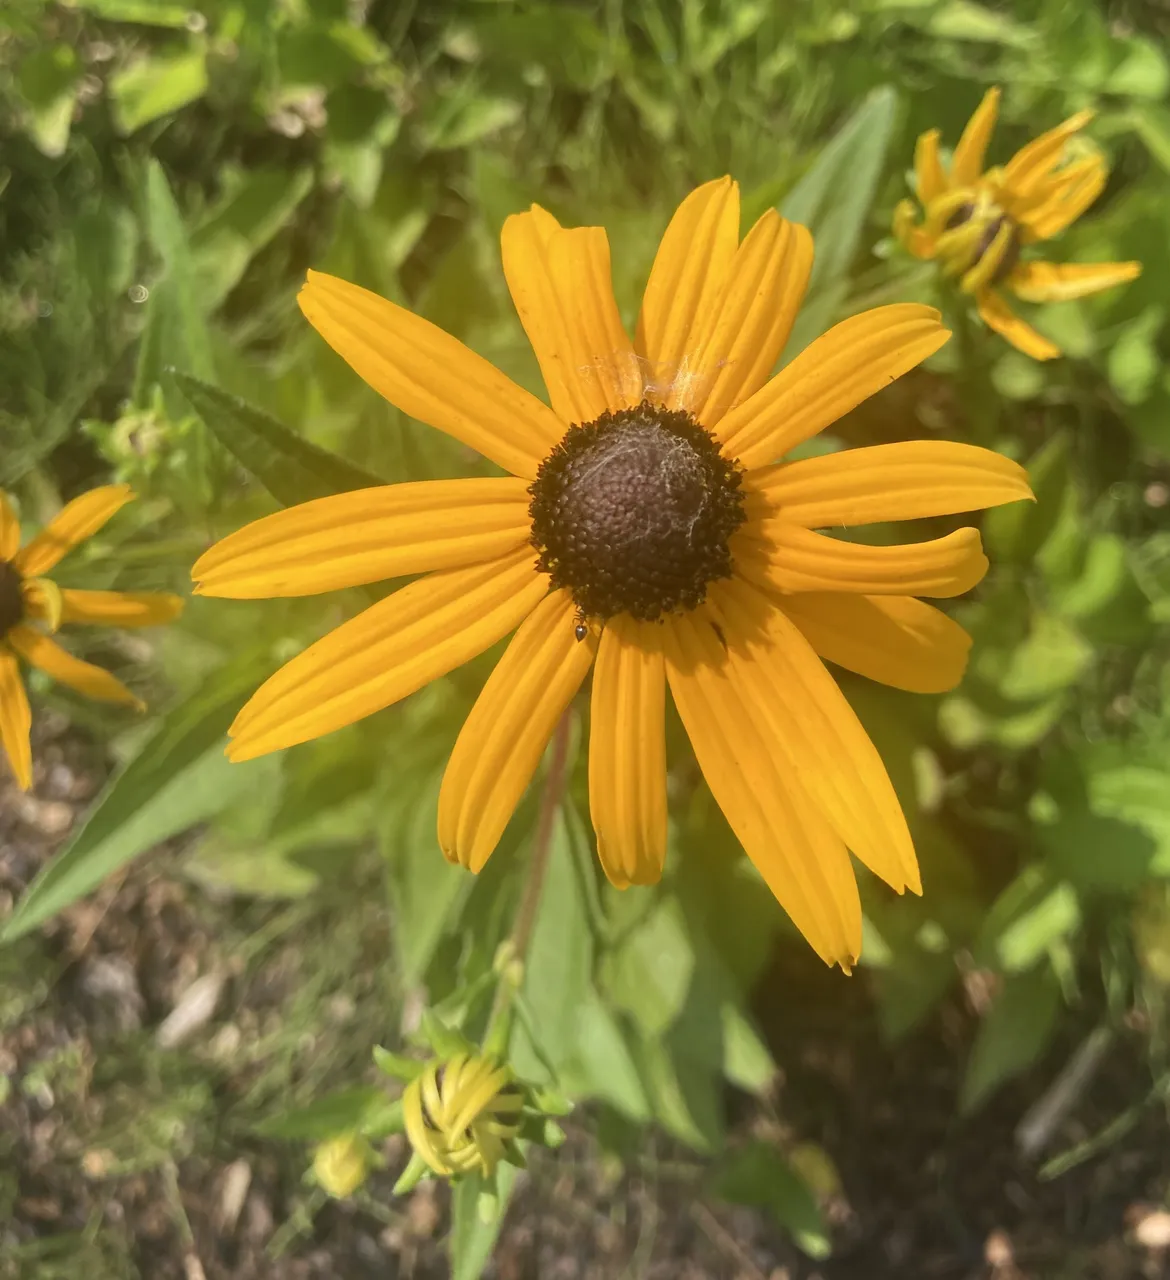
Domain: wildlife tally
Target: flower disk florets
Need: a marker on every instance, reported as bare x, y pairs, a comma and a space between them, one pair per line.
1011, 255
11, 600
632, 513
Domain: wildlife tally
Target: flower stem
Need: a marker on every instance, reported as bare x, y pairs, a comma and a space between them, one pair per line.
496, 1034
975, 375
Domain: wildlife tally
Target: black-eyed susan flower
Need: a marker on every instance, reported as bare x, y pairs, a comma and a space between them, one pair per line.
646, 531
977, 221
32, 606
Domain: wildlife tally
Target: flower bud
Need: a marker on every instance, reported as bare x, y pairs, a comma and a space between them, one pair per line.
462, 1114
340, 1165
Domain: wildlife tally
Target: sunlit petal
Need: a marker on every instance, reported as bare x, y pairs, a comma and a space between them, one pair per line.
834, 374
430, 375
349, 539
505, 735
904, 481
627, 752
15, 719
419, 633
76, 521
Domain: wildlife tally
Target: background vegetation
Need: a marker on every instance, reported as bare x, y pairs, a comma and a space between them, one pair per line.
167, 174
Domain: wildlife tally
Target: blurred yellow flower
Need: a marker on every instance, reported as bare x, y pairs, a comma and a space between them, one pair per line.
977, 221
341, 1164
644, 529
28, 598
461, 1114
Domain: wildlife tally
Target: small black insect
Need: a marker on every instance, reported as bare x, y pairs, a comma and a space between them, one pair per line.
580, 631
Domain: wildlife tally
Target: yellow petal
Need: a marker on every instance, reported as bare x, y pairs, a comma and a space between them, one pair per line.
688, 276
988, 263
789, 558
802, 860
739, 339
1033, 163
419, 633
505, 735
430, 375
43, 601
76, 521
627, 753
895, 640
561, 286
1059, 282
9, 529
996, 314
912, 237
967, 161
928, 171
817, 731
15, 719
120, 608
1061, 202
605, 362
37, 649
349, 539
831, 376
904, 481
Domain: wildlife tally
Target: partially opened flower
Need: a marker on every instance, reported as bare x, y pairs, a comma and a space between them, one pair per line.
642, 530
977, 221
32, 606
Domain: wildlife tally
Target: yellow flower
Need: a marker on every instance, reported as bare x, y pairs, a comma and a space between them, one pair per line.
667, 551
461, 1114
27, 598
342, 1163
977, 221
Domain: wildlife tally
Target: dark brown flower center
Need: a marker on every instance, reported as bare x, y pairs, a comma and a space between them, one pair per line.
1011, 256
11, 600
633, 513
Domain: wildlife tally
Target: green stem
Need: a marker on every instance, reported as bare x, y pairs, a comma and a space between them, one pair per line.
975, 376
499, 1021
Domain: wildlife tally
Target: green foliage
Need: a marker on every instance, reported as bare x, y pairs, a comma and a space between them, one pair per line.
168, 174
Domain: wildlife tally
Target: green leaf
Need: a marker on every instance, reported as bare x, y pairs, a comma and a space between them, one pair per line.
964, 20
604, 1059
649, 973
686, 1094
176, 330
1016, 531
1142, 72
291, 469
1052, 658
1095, 851
259, 207
833, 200
1134, 362
746, 1059
425, 889
757, 1175
340, 1112
1152, 124
560, 956
156, 86
478, 1206
179, 777
151, 13
1012, 1036
460, 121
1034, 912
1138, 795
48, 80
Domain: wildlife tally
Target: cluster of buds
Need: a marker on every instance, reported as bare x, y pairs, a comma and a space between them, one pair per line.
463, 1111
